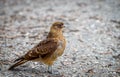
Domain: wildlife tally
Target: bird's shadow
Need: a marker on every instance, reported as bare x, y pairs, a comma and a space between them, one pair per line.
35, 71
28, 70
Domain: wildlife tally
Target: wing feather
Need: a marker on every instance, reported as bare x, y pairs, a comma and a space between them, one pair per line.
44, 47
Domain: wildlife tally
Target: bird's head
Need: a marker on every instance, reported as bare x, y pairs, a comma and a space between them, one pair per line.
57, 27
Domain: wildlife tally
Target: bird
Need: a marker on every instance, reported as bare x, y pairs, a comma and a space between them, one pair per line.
46, 51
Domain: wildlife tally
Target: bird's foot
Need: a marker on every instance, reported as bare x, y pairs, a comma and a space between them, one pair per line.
55, 72
50, 72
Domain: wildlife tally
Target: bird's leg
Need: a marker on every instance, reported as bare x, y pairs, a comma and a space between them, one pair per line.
50, 69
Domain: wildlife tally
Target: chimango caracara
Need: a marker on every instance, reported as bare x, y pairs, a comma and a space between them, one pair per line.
48, 50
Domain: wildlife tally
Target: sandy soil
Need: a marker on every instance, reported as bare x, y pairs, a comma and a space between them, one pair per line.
92, 32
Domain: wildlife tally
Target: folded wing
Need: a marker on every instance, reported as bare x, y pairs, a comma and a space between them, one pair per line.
47, 46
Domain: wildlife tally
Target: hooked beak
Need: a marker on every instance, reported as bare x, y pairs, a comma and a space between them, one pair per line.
63, 26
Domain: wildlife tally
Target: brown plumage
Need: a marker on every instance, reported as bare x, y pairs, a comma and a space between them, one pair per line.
47, 50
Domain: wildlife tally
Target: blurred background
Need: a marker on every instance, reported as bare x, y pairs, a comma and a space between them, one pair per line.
92, 32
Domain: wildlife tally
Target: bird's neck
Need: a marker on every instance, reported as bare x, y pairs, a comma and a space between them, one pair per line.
54, 34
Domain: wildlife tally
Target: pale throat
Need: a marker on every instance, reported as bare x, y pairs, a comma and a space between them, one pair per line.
55, 34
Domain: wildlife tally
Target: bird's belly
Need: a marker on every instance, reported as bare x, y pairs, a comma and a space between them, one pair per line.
48, 60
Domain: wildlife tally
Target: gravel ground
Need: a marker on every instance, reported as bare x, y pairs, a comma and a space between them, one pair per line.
92, 32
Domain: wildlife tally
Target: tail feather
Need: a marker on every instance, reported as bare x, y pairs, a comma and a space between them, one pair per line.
17, 64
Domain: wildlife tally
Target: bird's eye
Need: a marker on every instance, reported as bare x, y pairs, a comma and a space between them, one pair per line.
60, 26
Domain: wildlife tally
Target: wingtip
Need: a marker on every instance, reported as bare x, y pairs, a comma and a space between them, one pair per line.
18, 59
